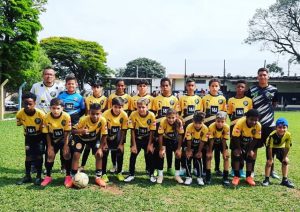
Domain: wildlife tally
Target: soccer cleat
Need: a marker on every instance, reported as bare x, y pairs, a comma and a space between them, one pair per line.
100, 182
38, 181
120, 177
242, 173
250, 181
171, 172
200, 181
219, 173
274, 175
68, 182
26, 179
160, 179
46, 181
129, 179
188, 181
152, 179
178, 179
287, 183
226, 182
265, 183
235, 181
113, 169
105, 178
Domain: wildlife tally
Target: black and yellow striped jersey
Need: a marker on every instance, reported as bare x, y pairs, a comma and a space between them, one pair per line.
191, 134
137, 97
218, 134
127, 101
238, 107
161, 104
102, 100
142, 125
274, 141
32, 123
168, 130
57, 126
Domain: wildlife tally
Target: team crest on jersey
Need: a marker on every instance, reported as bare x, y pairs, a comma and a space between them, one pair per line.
149, 121
63, 122
78, 146
37, 120
220, 101
102, 101
253, 131
99, 124
121, 120
245, 103
172, 102
52, 93
197, 101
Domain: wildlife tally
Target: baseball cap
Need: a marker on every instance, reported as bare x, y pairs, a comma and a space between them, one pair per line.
281, 121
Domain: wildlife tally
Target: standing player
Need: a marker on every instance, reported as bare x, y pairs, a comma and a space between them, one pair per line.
91, 130
161, 104
265, 98
237, 107
32, 120
212, 103
142, 87
117, 124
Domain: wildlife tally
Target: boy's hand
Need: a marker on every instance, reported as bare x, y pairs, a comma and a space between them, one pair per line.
225, 153
133, 149
150, 148
121, 147
50, 152
189, 153
178, 153
199, 155
105, 147
162, 153
66, 152
99, 153
84, 131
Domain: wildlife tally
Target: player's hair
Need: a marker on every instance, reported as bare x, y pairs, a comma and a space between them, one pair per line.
47, 68
165, 79
189, 80
142, 81
119, 80
95, 106
70, 77
199, 117
29, 95
214, 80
221, 115
263, 70
118, 101
96, 83
252, 113
56, 102
143, 101
241, 81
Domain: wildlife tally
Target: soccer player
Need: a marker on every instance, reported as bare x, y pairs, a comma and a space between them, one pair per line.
160, 106
245, 136
170, 135
117, 124
218, 136
96, 97
237, 107
32, 120
196, 136
91, 130
73, 102
143, 125
278, 144
57, 127
265, 98
127, 99
212, 103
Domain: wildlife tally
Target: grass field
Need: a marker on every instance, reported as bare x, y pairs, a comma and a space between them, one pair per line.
140, 195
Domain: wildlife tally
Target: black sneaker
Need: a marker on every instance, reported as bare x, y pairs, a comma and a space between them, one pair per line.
287, 183
226, 182
266, 183
38, 181
26, 179
219, 173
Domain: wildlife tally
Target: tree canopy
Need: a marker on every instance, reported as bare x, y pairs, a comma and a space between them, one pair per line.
275, 69
142, 68
277, 28
19, 27
85, 59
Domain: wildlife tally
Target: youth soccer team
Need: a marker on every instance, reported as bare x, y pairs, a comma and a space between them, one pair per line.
191, 128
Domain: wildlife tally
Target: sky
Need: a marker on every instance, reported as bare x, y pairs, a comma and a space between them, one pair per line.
204, 32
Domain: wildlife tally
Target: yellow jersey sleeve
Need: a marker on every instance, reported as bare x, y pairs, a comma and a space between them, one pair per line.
103, 126
124, 121
162, 126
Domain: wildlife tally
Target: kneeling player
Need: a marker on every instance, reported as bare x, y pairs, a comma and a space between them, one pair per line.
279, 143
170, 135
91, 130
32, 119
57, 127
196, 137
143, 125
246, 136
218, 135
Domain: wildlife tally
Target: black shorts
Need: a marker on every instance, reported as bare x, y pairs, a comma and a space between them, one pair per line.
34, 145
278, 152
78, 145
59, 145
219, 147
170, 145
113, 144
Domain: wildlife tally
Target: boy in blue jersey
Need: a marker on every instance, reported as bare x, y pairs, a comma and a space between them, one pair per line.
73, 102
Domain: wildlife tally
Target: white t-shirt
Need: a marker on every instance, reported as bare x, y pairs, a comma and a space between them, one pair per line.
46, 94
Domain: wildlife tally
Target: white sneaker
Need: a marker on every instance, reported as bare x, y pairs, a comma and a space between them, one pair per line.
129, 179
178, 179
200, 181
152, 179
188, 181
160, 179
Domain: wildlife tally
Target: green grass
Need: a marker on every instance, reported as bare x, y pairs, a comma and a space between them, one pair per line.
141, 195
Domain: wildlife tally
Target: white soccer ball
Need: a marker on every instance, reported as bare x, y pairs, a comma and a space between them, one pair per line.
81, 180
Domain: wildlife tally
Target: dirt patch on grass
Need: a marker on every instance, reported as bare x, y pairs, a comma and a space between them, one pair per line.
112, 189
296, 192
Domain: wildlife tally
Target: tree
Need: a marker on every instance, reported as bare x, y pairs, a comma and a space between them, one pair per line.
85, 59
277, 28
19, 27
143, 68
274, 69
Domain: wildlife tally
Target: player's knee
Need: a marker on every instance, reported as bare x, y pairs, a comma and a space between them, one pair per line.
236, 153
269, 163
